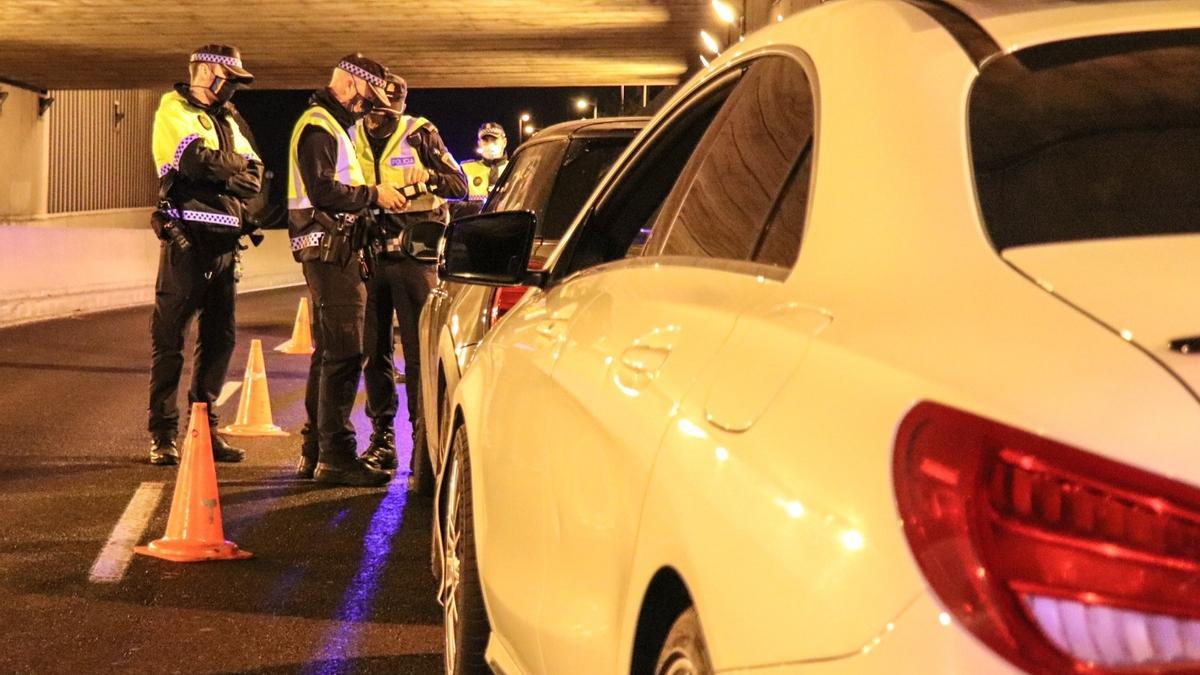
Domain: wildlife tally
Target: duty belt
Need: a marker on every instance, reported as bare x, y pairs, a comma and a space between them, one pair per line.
307, 240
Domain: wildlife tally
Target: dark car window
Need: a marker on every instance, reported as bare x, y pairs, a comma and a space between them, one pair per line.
1089, 139
519, 189
618, 224
731, 208
583, 165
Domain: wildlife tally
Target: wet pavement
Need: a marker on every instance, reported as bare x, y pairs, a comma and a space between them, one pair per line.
340, 581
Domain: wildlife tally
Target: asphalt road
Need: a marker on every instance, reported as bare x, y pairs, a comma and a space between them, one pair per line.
340, 580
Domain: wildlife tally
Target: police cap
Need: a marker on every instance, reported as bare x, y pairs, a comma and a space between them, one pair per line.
224, 55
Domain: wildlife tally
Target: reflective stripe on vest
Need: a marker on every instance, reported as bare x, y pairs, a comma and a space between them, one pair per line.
399, 163
207, 217
477, 180
348, 170
178, 124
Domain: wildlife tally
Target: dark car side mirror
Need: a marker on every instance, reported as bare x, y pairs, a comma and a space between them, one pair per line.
420, 240
490, 249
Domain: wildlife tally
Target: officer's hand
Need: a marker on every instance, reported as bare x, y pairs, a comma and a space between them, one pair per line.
421, 176
390, 198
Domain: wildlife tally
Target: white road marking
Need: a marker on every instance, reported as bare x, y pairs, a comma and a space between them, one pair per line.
114, 558
228, 391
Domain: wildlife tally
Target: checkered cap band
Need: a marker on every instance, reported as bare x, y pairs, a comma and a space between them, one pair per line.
205, 57
362, 73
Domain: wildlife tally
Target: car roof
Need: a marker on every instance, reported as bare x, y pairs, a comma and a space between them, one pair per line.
623, 127
1016, 24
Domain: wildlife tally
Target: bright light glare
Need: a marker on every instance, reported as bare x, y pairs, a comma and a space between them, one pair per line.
722, 454
795, 509
687, 428
703, 60
581, 104
724, 11
710, 42
853, 540
529, 130
944, 619
525, 117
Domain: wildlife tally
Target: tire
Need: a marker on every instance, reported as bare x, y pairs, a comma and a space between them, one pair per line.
421, 481
464, 616
684, 651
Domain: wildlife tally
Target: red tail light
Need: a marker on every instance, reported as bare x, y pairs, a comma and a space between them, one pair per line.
1059, 560
506, 297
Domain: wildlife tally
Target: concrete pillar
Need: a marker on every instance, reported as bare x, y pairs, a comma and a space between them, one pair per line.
24, 155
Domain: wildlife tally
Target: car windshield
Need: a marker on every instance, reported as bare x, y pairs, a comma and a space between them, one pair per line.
1089, 139
583, 166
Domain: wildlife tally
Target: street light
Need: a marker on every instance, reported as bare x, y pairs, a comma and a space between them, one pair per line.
529, 129
704, 61
710, 42
725, 11
581, 104
523, 124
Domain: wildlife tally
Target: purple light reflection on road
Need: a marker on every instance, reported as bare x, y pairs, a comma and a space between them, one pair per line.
336, 653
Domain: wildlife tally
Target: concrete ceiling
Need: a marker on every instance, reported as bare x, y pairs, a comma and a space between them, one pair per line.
103, 44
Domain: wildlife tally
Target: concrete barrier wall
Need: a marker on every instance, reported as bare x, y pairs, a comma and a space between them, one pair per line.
64, 264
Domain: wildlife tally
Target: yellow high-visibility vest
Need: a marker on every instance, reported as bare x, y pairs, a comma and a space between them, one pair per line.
349, 170
399, 163
478, 180
178, 123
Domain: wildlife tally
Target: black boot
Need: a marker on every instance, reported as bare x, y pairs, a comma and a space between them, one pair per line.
356, 474
163, 451
382, 453
224, 452
309, 451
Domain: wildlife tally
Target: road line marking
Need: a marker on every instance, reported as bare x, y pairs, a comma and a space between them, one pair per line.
227, 392
114, 558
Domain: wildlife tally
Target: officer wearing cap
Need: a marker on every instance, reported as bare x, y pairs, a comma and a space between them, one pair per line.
328, 196
207, 168
406, 152
483, 173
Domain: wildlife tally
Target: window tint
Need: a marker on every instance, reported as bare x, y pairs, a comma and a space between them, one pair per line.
1089, 139
760, 144
520, 188
618, 225
585, 162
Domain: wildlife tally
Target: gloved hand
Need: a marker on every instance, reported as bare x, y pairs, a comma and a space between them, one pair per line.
245, 184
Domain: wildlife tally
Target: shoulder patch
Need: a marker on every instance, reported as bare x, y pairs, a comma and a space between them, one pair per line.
205, 122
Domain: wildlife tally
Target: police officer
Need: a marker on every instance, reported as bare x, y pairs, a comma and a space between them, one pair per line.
483, 173
405, 152
207, 168
328, 197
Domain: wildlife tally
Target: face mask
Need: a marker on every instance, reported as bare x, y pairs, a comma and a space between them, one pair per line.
382, 126
491, 150
360, 106
222, 89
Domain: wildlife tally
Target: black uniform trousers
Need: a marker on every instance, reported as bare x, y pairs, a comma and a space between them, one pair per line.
338, 300
398, 288
190, 283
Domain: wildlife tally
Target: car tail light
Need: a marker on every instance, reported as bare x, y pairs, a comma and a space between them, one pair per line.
506, 297
503, 299
1059, 560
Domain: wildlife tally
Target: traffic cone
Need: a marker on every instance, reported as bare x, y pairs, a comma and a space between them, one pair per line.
254, 408
194, 528
301, 342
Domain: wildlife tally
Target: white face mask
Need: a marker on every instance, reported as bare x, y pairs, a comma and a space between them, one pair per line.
494, 150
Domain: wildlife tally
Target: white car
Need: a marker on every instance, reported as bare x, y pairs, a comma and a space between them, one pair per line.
904, 379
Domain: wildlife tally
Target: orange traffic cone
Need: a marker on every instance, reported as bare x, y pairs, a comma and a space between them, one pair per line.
194, 528
254, 408
301, 342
